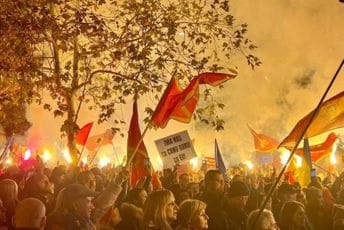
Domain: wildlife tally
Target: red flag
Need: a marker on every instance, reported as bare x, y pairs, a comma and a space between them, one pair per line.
263, 143
82, 135
138, 166
322, 150
96, 141
329, 117
180, 104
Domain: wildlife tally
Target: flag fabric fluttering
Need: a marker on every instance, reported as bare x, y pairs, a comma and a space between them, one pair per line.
82, 135
263, 143
304, 172
329, 117
179, 104
220, 165
138, 168
96, 141
322, 150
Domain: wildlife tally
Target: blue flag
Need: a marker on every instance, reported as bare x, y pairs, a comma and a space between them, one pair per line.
220, 165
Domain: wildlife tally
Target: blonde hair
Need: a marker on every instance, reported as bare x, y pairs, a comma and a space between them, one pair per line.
155, 210
188, 210
9, 194
264, 221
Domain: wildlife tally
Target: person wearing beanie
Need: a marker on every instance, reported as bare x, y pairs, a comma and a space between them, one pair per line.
237, 196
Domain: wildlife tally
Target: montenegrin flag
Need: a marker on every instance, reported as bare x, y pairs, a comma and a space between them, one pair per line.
82, 135
329, 117
138, 169
179, 104
263, 143
320, 151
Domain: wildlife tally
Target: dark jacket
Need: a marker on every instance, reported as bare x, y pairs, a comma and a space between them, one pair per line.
218, 218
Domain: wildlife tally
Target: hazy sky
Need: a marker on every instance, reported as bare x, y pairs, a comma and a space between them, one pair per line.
301, 44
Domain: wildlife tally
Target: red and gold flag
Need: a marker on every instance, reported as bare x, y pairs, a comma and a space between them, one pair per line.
99, 140
263, 143
82, 135
179, 104
329, 117
322, 150
138, 169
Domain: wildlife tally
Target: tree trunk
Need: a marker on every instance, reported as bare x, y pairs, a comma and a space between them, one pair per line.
71, 129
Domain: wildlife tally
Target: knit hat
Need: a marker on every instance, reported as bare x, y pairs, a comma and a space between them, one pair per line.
238, 188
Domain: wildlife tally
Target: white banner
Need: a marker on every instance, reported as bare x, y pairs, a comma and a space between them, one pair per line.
175, 149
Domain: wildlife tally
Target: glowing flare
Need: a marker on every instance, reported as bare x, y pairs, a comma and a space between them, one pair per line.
298, 161
194, 163
9, 161
67, 156
46, 155
333, 159
284, 156
249, 164
27, 154
103, 162
84, 160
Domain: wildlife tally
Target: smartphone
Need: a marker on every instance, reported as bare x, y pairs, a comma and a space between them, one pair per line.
313, 173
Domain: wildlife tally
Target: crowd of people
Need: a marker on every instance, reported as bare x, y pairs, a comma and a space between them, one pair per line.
69, 197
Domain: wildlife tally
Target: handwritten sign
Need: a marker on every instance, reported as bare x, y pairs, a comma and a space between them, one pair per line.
175, 149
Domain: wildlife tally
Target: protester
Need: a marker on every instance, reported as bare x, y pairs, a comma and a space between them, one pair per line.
266, 221
293, 216
315, 211
137, 197
30, 214
38, 186
192, 216
9, 197
75, 202
237, 197
181, 187
193, 189
160, 210
286, 192
214, 197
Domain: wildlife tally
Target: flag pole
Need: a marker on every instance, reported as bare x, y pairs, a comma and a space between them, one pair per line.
95, 154
115, 152
82, 150
314, 114
148, 124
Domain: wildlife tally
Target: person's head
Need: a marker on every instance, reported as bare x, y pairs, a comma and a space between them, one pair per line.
30, 213
79, 198
286, 192
266, 221
184, 180
191, 215
9, 194
314, 197
237, 195
137, 196
8, 190
160, 209
193, 190
292, 215
88, 179
58, 176
38, 184
214, 181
